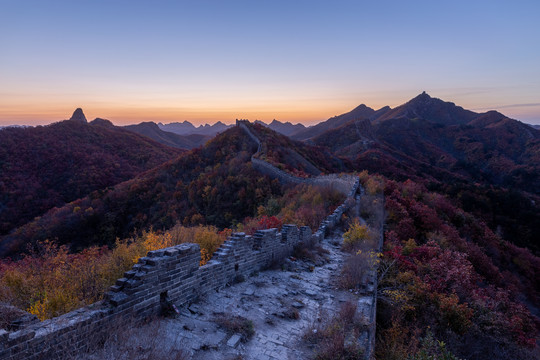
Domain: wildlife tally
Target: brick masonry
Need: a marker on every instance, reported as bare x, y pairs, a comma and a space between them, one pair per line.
174, 272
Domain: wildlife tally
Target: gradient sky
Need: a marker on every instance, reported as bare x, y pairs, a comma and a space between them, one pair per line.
299, 61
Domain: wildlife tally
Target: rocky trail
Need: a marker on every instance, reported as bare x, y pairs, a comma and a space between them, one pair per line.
265, 316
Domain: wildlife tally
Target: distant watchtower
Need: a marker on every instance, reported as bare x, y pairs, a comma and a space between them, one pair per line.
241, 121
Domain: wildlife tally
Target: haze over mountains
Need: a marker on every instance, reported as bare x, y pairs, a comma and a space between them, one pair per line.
187, 128
184, 141
185, 135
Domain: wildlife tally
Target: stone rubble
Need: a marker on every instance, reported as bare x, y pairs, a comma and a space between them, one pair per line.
282, 304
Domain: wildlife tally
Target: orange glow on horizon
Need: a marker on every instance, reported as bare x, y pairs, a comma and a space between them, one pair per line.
305, 111
123, 115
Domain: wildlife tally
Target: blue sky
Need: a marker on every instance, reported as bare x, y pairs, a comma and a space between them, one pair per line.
306, 61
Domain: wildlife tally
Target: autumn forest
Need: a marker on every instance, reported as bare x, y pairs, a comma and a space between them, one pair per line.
81, 202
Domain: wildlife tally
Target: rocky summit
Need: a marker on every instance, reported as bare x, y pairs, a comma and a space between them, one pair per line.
78, 115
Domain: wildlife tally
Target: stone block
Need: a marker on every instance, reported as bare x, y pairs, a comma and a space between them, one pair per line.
129, 274
121, 282
117, 299
21, 336
156, 261
155, 253
234, 340
172, 252
115, 288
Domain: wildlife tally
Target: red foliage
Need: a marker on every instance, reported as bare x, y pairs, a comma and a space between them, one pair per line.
214, 185
463, 271
269, 222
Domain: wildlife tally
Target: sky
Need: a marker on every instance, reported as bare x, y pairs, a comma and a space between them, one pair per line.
299, 61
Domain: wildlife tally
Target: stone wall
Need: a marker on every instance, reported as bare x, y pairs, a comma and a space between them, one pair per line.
366, 308
343, 183
348, 185
173, 273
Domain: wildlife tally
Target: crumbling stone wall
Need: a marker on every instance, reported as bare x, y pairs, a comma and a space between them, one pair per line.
172, 272
343, 183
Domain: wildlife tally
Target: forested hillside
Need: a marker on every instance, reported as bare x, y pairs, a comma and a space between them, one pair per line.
47, 166
446, 274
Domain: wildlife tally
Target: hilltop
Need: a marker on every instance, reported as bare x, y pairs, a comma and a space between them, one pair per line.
47, 166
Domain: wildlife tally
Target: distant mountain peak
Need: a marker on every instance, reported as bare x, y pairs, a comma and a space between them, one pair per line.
101, 122
78, 115
361, 107
187, 128
423, 98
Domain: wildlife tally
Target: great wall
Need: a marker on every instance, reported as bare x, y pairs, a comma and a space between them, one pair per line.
173, 274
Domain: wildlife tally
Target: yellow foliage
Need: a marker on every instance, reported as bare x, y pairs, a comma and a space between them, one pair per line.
374, 185
39, 309
54, 282
208, 237
355, 233
401, 298
205, 257
371, 258
358, 236
409, 246
154, 241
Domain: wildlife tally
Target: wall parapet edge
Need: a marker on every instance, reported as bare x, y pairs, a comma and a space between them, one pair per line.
172, 271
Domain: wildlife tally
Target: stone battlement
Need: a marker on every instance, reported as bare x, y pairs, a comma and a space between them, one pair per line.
173, 273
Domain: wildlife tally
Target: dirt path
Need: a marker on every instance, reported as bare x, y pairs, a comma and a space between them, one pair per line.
282, 306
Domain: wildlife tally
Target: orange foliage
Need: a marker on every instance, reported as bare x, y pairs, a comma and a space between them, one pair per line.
51, 282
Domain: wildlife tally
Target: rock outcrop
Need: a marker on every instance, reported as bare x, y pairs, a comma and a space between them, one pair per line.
78, 115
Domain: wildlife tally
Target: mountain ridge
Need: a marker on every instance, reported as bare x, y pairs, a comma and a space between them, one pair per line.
358, 113
461, 152
153, 131
187, 128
